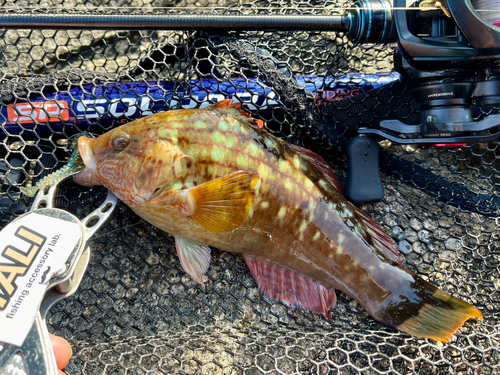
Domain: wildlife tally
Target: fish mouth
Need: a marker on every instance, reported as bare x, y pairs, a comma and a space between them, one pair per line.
85, 177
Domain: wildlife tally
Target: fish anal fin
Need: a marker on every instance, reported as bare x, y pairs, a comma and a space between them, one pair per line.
381, 240
195, 259
227, 106
290, 287
221, 205
321, 164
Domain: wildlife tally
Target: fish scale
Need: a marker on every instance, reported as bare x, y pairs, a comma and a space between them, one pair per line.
214, 177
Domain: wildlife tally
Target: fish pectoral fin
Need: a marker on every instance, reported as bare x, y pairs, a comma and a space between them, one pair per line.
221, 205
292, 288
194, 258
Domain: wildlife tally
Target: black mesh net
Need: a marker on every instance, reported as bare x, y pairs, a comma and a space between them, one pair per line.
136, 310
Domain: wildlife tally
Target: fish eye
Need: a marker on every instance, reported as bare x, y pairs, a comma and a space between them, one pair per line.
120, 140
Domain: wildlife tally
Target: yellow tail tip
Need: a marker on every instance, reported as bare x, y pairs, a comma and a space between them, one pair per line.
440, 320
474, 313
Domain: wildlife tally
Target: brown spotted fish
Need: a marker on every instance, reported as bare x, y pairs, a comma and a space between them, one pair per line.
214, 177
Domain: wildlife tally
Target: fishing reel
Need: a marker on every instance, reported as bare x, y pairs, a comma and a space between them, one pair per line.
449, 58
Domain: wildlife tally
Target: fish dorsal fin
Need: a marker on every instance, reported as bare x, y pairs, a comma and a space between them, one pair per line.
381, 240
227, 106
290, 287
194, 258
321, 164
221, 205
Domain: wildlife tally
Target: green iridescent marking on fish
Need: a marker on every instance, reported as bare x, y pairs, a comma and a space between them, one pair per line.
176, 185
253, 149
230, 141
199, 125
216, 154
75, 164
296, 161
282, 212
217, 137
241, 160
265, 171
210, 170
283, 165
224, 126
308, 184
303, 226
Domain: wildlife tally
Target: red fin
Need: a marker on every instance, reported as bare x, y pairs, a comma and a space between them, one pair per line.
290, 287
235, 109
323, 166
381, 239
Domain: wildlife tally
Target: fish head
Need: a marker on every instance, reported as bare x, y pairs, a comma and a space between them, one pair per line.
132, 161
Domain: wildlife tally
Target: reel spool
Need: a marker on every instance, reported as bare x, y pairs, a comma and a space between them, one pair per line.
489, 11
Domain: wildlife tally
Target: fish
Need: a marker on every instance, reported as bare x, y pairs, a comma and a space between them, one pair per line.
215, 177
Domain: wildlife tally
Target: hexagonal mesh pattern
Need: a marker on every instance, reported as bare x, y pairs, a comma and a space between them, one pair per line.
136, 311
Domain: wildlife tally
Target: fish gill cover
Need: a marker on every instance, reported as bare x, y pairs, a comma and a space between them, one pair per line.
136, 310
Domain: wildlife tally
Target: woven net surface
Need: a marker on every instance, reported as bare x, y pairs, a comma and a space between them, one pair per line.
136, 311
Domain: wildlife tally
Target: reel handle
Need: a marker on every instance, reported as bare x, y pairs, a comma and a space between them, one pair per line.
363, 184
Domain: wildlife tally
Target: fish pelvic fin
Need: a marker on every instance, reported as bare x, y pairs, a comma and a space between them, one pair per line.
437, 315
221, 205
292, 288
234, 109
195, 259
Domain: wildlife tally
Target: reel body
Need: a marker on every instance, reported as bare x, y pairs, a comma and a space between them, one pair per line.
449, 59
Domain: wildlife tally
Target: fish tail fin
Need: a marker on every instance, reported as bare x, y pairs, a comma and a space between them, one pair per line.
436, 315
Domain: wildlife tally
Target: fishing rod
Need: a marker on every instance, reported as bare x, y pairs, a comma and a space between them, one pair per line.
364, 18
354, 20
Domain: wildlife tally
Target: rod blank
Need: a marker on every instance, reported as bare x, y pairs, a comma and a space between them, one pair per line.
173, 22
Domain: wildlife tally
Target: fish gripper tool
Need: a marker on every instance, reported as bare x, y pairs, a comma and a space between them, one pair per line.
43, 257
